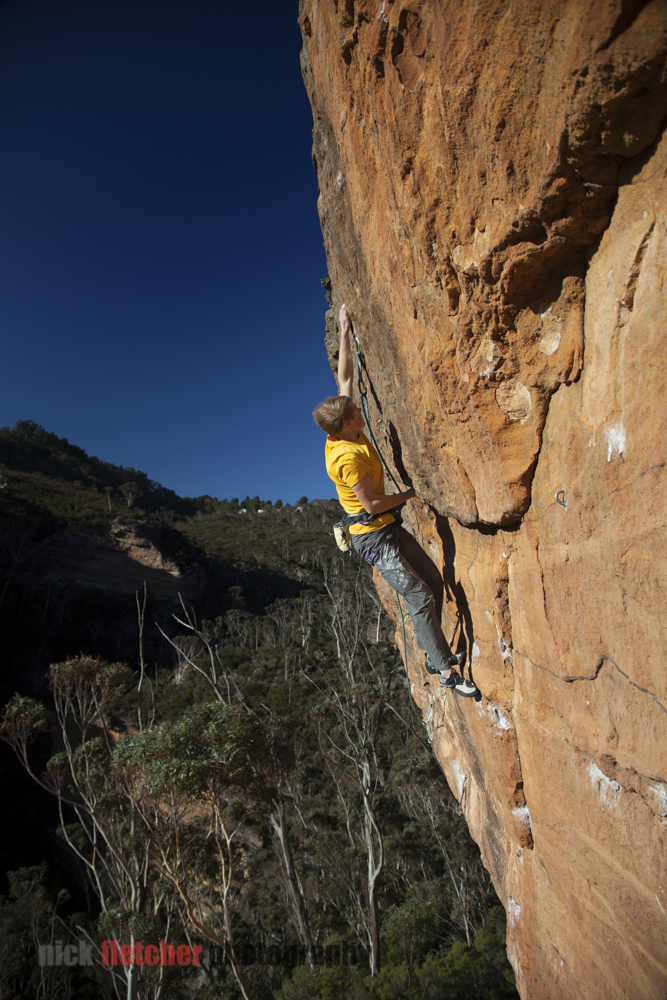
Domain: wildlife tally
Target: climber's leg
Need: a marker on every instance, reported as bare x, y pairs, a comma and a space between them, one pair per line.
382, 549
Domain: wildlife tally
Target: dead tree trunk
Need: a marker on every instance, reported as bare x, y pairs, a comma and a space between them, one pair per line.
295, 895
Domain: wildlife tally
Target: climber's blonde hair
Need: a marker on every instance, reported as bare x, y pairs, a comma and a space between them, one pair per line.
332, 413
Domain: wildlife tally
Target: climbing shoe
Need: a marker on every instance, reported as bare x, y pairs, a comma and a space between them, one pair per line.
461, 685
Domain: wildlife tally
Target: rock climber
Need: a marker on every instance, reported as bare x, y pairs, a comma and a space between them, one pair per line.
356, 469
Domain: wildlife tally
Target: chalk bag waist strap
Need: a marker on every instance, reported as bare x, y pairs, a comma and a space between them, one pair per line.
342, 529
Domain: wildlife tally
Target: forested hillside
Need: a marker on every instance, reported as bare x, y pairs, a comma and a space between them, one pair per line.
242, 769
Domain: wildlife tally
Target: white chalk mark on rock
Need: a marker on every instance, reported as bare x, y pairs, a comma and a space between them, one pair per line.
460, 776
505, 650
496, 715
615, 436
522, 815
609, 791
659, 793
500, 719
553, 329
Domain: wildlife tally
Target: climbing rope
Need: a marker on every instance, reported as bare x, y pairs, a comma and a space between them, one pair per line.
363, 393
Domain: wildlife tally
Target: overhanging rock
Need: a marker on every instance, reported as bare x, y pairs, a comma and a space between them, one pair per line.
494, 207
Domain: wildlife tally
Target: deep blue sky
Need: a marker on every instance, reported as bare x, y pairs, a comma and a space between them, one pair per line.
160, 250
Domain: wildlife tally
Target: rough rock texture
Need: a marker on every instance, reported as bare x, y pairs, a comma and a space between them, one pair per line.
494, 206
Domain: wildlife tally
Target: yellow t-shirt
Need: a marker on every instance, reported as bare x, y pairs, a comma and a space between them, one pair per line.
347, 463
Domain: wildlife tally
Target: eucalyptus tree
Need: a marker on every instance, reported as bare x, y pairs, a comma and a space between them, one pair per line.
108, 838
200, 651
160, 812
432, 807
194, 784
347, 720
130, 491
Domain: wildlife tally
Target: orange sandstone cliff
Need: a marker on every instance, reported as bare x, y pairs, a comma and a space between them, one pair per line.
493, 178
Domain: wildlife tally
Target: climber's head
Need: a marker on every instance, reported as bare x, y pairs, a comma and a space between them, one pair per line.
337, 415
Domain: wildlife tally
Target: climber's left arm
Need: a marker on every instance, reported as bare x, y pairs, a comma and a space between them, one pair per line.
345, 359
376, 503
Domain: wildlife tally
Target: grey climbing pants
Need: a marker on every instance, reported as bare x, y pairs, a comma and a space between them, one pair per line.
384, 549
